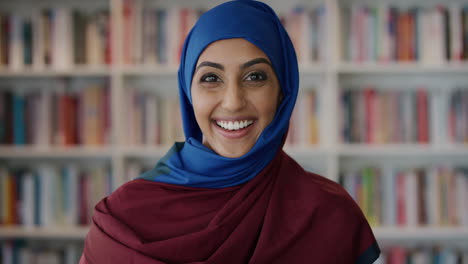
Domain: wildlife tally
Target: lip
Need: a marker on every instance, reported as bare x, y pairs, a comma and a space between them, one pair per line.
233, 134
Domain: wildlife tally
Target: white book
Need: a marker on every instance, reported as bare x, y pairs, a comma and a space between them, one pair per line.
92, 44
151, 120
72, 254
29, 197
62, 45
424, 29
420, 257
44, 115
408, 116
437, 114
411, 194
16, 56
349, 183
456, 40
383, 30
437, 40
72, 196
389, 196
46, 215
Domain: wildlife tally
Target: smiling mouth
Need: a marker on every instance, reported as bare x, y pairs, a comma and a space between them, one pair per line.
234, 125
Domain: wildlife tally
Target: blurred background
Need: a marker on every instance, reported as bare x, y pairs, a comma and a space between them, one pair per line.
88, 101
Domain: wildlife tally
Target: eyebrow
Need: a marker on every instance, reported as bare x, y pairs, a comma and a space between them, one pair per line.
243, 66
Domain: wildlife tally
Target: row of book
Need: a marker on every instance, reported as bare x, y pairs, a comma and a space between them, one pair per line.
60, 116
304, 122
375, 116
435, 255
152, 120
391, 196
431, 35
156, 36
48, 195
38, 252
55, 38
307, 28
458, 116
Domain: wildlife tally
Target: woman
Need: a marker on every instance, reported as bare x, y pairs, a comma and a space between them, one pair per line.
229, 194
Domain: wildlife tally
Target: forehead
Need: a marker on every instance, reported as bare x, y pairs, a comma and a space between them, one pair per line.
227, 51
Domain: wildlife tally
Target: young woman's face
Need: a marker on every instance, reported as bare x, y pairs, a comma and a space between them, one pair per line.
235, 93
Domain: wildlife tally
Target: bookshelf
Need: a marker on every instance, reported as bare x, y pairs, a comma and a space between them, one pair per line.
328, 77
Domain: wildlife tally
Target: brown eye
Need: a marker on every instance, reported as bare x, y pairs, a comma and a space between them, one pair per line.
256, 76
210, 78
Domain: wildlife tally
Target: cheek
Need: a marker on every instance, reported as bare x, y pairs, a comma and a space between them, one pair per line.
202, 107
266, 105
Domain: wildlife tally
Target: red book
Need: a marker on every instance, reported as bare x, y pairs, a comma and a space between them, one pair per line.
369, 101
127, 31
108, 47
71, 120
61, 119
411, 17
422, 186
83, 194
422, 116
401, 199
397, 256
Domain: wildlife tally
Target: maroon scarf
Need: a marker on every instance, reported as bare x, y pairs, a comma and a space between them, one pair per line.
283, 215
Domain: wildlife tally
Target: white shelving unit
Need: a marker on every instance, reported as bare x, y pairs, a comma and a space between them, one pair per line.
327, 158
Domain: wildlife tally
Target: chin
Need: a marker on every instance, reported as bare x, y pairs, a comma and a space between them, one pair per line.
236, 153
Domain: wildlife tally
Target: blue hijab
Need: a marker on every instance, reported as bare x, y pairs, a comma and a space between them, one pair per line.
190, 163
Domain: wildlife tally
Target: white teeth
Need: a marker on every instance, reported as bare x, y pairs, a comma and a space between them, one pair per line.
236, 125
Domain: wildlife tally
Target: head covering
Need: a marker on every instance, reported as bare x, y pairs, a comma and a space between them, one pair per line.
193, 164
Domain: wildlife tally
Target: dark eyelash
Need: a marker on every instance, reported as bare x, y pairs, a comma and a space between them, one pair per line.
209, 75
263, 76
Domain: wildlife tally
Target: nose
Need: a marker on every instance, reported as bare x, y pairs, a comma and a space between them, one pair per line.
234, 97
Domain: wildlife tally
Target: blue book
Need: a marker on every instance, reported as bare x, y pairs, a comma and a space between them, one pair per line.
27, 42
37, 200
19, 133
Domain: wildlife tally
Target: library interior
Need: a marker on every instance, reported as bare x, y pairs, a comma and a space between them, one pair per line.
85, 87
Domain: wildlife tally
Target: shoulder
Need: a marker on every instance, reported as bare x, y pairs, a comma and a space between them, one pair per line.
322, 192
